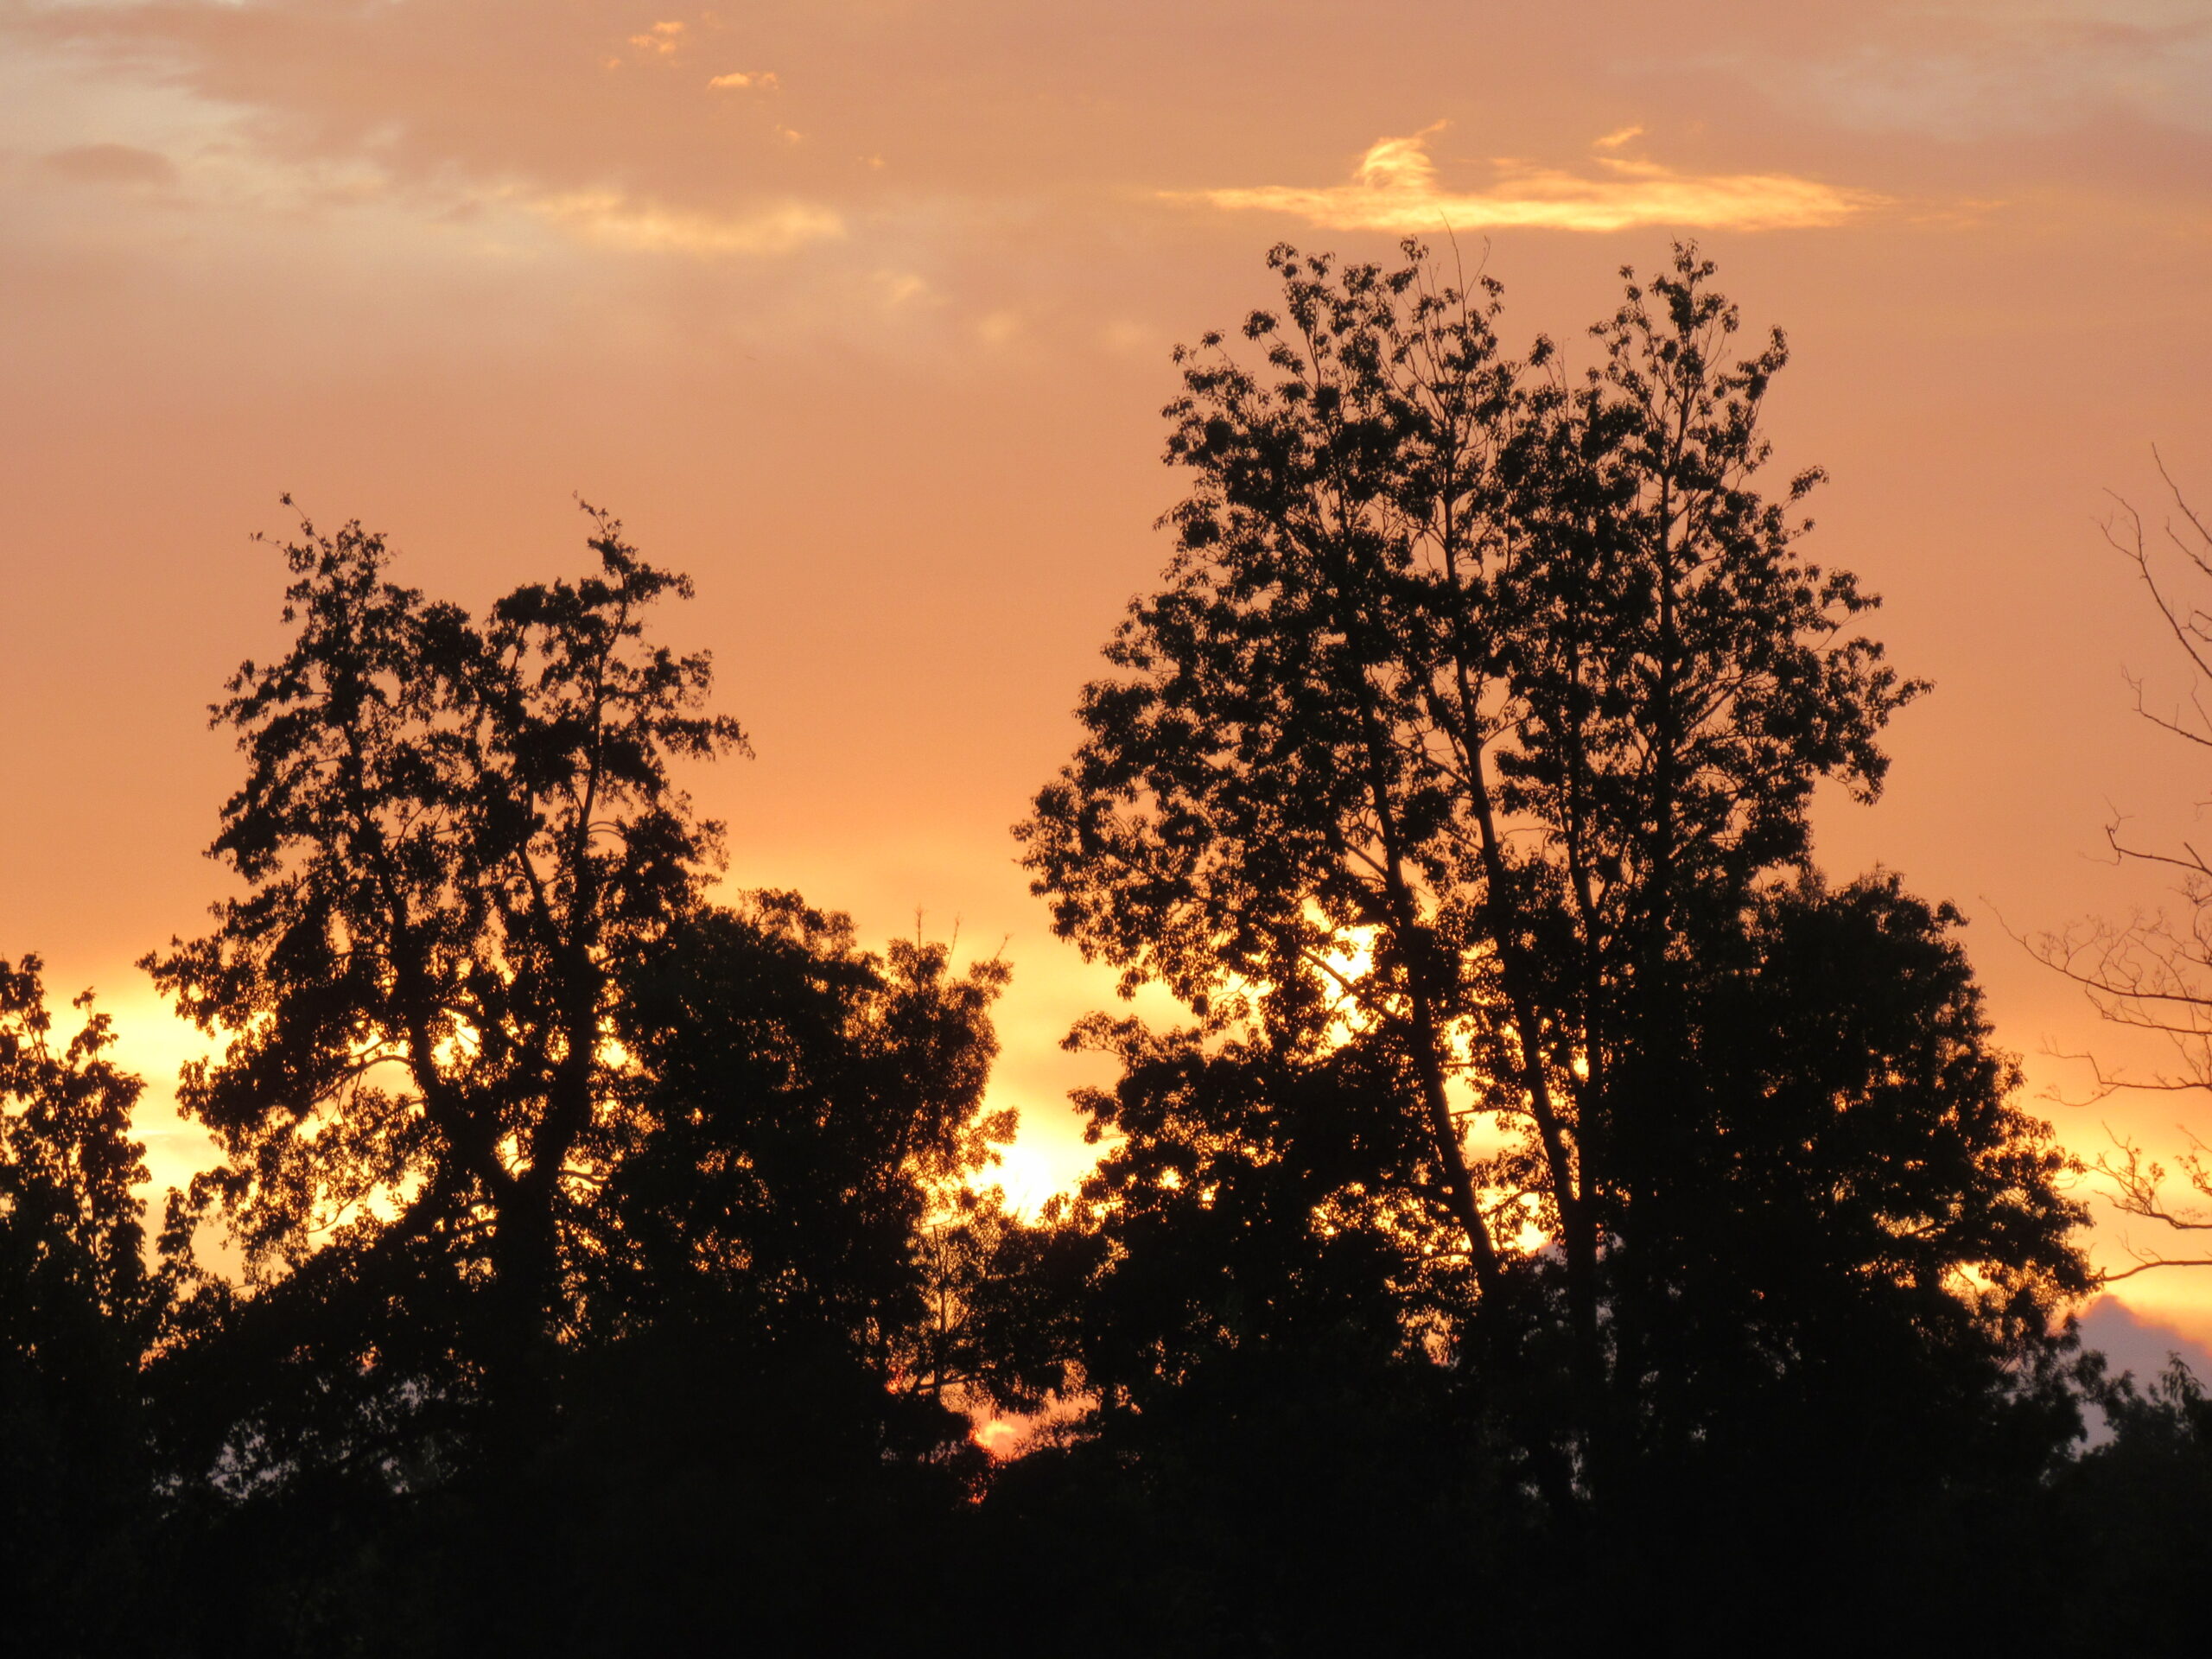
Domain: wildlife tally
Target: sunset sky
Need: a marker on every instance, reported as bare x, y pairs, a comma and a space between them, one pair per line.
861, 313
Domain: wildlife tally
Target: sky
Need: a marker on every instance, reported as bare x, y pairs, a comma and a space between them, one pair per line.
861, 313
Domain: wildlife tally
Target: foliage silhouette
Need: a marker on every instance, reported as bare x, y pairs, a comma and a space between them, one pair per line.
454, 836
81, 1307
2133, 1518
809, 1109
550, 1172
1565, 1218
1459, 773
1278, 1341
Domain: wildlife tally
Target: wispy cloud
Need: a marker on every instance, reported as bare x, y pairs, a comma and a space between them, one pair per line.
737, 81
1976, 68
613, 220
110, 163
1395, 189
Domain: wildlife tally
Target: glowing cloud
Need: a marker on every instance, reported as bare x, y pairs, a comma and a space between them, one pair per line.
661, 39
613, 220
737, 80
1395, 189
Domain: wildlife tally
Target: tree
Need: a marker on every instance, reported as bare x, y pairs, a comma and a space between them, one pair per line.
2155, 973
579, 1211
1873, 1245
454, 837
756, 1414
807, 1111
2132, 1520
81, 1309
1282, 1338
1476, 724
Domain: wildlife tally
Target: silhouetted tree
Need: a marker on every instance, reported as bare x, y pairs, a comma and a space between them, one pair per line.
1861, 1270
81, 1307
2155, 973
454, 835
588, 1222
805, 1108
1565, 1218
1453, 774
2131, 1522
1864, 1250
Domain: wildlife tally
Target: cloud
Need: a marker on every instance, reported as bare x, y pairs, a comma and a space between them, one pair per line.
763, 78
615, 220
661, 39
1972, 69
110, 164
2139, 1341
1395, 189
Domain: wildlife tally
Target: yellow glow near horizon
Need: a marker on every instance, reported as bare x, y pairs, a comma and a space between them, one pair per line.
889, 395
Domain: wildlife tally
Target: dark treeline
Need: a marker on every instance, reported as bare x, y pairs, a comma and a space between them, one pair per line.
1564, 1218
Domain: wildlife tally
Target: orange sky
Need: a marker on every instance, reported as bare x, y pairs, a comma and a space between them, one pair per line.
859, 312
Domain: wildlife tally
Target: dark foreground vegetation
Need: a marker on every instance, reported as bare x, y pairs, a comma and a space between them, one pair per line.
1565, 1220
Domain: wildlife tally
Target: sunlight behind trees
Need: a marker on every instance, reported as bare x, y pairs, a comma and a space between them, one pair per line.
1529, 1179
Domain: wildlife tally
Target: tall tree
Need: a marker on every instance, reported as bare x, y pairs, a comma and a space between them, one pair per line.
1481, 707
453, 837
585, 1219
547, 1166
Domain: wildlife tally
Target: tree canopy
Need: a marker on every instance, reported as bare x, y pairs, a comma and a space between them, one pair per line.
1562, 1213
1468, 750
83, 1305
